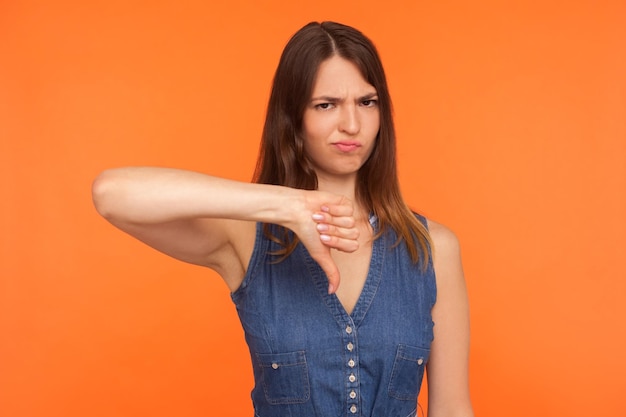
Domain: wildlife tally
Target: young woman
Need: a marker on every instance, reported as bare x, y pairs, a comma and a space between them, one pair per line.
345, 295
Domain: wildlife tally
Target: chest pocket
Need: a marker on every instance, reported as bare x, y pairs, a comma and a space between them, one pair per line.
407, 372
285, 377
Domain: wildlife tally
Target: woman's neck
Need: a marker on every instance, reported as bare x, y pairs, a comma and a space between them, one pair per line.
346, 187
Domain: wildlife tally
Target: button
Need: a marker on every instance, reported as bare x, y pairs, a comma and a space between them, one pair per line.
348, 329
353, 409
275, 366
351, 363
420, 361
352, 395
352, 378
350, 346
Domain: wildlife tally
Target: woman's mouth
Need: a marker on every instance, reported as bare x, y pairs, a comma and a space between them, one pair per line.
346, 146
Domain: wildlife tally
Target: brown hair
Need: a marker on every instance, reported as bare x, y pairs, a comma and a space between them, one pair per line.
282, 160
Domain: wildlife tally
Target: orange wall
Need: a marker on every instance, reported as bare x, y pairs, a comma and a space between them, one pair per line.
512, 127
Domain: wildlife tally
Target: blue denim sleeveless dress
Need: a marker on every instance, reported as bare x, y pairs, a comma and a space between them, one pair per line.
311, 358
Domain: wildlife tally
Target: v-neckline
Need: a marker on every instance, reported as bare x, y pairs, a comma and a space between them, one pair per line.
370, 287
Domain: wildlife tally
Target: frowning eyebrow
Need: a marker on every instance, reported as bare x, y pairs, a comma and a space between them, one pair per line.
330, 99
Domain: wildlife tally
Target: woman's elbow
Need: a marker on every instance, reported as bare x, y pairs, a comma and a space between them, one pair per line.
102, 193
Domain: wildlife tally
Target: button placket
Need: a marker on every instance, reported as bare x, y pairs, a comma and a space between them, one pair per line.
351, 369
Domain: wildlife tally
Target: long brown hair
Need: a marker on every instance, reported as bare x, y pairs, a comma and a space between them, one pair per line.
282, 160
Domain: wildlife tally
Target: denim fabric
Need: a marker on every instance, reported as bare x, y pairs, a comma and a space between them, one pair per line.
310, 358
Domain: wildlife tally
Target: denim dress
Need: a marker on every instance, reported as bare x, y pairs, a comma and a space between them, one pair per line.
311, 358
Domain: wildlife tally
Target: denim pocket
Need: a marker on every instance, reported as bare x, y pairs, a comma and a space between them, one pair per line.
285, 377
408, 372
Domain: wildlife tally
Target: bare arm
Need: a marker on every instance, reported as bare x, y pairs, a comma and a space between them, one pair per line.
448, 385
208, 221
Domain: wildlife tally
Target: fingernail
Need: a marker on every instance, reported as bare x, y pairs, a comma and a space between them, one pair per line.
325, 238
331, 288
318, 216
322, 227
325, 209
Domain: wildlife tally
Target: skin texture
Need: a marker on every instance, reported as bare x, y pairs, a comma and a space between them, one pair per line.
210, 221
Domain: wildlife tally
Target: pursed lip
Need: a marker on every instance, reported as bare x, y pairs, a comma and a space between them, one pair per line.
347, 145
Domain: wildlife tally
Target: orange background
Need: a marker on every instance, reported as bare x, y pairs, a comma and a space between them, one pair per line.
512, 130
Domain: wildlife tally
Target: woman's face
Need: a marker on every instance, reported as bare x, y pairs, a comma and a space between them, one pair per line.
341, 120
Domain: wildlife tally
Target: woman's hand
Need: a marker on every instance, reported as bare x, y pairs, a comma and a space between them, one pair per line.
330, 225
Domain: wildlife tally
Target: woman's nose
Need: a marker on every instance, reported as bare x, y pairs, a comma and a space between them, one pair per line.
349, 122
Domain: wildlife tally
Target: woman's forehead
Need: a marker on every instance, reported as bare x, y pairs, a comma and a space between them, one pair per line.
337, 77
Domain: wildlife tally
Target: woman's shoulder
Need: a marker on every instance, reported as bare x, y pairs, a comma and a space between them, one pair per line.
446, 246
442, 236
447, 262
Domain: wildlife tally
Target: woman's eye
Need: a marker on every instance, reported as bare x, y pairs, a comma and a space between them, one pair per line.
324, 106
368, 103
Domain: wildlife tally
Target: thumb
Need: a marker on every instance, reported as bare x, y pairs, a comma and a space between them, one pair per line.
332, 272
